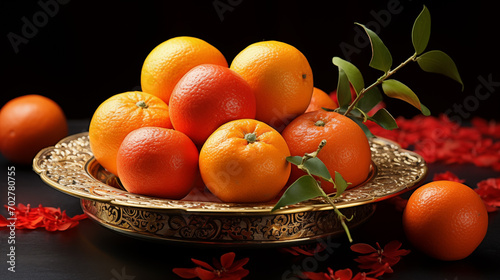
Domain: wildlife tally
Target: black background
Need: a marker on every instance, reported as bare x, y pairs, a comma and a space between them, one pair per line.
83, 52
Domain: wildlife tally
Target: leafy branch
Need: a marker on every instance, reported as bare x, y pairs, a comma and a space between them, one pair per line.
307, 187
434, 61
367, 98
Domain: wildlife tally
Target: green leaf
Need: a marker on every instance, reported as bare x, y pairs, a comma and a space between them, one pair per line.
440, 63
397, 89
294, 160
303, 189
383, 118
365, 129
381, 57
421, 31
318, 168
425, 110
352, 73
340, 184
370, 99
343, 89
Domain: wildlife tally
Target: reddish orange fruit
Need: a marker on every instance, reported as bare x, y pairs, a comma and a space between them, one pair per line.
320, 99
118, 116
208, 96
157, 162
446, 220
168, 62
281, 78
347, 150
245, 161
28, 124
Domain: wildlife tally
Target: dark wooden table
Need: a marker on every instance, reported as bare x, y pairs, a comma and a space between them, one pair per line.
90, 251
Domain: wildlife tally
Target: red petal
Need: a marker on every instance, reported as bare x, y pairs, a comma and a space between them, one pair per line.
227, 259
21, 207
79, 217
362, 276
290, 250
447, 176
316, 275
186, 273
366, 259
205, 274
362, 248
3, 221
297, 251
64, 226
238, 264
202, 264
343, 274
381, 270
392, 246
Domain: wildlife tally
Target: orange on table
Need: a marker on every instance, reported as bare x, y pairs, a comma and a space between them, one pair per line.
169, 61
446, 220
118, 116
208, 96
320, 99
28, 124
245, 161
347, 150
281, 78
157, 162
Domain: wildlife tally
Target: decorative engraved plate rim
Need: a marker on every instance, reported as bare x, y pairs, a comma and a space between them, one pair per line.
307, 231
65, 167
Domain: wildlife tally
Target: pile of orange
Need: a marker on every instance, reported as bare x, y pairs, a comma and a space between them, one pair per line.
234, 127
244, 120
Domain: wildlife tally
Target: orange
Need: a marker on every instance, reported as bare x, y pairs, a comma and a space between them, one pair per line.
347, 150
28, 124
281, 78
158, 162
320, 99
245, 161
446, 220
169, 61
118, 116
208, 96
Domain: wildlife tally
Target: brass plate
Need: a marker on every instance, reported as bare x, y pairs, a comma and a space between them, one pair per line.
71, 168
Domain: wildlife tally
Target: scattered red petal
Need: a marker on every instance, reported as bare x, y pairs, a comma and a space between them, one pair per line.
304, 250
491, 128
363, 248
439, 139
227, 268
449, 176
379, 261
489, 191
342, 274
50, 218
3, 221
381, 270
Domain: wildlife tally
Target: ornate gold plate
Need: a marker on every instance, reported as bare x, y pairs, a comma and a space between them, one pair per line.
199, 218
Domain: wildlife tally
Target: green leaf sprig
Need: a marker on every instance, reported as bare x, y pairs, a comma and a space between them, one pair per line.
435, 61
307, 187
367, 98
